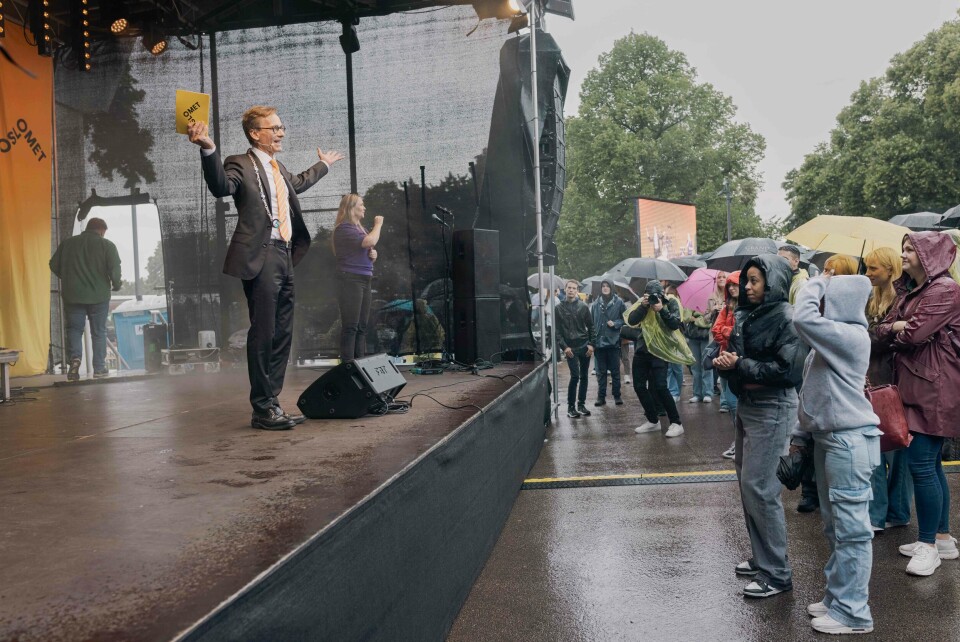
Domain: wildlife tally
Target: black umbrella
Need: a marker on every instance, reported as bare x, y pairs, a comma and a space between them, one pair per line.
591, 286
918, 221
688, 264
733, 255
644, 268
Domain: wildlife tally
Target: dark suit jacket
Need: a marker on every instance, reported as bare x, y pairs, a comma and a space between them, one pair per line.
235, 177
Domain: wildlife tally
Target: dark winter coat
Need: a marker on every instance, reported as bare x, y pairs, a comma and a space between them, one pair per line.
763, 335
574, 326
927, 360
604, 310
670, 313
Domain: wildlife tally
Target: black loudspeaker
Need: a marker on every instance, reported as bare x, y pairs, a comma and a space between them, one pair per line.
476, 329
154, 340
352, 389
476, 264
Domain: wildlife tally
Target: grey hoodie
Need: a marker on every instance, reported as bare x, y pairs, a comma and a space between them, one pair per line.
832, 398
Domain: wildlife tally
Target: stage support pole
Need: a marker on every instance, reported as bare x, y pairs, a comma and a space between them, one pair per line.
553, 349
136, 245
536, 173
220, 207
351, 125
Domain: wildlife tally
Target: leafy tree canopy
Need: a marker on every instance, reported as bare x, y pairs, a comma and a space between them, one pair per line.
647, 127
896, 146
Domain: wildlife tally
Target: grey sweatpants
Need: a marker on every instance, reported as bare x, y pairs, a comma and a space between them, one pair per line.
765, 419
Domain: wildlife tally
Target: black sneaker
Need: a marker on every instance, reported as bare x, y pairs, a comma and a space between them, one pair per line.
618, 402
746, 568
600, 402
572, 412
103, 374
582, 409
73, 373
271, 420
295, 417
808, 505
759, 588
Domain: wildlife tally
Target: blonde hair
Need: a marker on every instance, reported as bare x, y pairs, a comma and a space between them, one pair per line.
841, 264
881, 299
345, 215
955, 267
251, 119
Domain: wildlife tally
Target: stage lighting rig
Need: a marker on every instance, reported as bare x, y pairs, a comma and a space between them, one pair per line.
39, 20
80, 25
154, 41
349, 41
116, 17
3, 29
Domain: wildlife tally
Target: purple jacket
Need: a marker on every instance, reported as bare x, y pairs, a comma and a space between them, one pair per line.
927, 361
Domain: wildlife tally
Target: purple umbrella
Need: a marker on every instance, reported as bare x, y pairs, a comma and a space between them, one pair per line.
697, 289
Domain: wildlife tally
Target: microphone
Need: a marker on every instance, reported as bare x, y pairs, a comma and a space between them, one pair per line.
443, 210
439, 220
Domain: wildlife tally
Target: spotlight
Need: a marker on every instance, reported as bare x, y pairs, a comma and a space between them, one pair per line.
3, 31
39, 22
500, 9
349, 41
80, 19
116, 17
154, 41
518, 23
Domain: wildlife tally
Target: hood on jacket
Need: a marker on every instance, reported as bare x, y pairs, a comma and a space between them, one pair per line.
845, 300
733, 279
609, 284
776, 272
935, 251
653, 287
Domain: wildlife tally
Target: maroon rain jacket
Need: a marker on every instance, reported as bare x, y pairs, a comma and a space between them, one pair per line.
927, 361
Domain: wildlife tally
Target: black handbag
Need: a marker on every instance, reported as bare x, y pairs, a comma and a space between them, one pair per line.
629, 332
712, 352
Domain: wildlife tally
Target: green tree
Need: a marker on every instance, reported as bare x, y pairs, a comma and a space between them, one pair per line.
647, 127
896, 147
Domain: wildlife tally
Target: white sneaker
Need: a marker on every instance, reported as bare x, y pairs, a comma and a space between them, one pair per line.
827, 624
724, 409
707, 399
947, 548
626, 380
675, 430
676, 398
647, 426
817, 609
731, 452
924, 561
693, 400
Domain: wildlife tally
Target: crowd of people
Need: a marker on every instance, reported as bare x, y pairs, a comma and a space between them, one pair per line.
794, 355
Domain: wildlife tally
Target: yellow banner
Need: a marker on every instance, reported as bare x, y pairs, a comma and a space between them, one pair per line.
191, 107
26, 148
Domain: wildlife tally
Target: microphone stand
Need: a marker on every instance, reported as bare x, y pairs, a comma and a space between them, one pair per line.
447, 277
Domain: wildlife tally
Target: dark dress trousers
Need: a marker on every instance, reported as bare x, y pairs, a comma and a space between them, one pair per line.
264, 266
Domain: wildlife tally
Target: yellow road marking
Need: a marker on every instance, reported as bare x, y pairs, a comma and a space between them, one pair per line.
547, 480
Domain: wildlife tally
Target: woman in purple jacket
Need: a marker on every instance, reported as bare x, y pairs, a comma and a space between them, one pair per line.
923, 329
355, 249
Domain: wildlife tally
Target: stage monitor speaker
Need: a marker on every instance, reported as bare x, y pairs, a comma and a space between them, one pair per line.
352, 389
154, 340
476, 264
476, 331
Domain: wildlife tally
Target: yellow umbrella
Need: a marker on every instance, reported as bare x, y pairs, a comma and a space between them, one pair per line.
852, 235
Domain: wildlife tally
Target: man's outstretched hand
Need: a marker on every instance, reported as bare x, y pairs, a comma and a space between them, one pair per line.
330, 157
199, 134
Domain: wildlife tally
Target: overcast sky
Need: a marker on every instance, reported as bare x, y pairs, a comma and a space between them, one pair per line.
789, 67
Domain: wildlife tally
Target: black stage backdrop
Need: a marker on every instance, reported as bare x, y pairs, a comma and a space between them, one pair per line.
424, 95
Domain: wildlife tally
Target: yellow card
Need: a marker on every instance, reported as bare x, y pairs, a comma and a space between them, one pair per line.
191, 107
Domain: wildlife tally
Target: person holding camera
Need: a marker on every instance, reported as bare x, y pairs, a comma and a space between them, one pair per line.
576, 338
659, 343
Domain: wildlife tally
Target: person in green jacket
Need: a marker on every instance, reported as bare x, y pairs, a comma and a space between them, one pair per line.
89, 268
800, 276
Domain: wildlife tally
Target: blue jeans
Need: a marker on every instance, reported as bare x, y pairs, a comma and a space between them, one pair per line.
727, 398
674, 378
702, 378
77, 314
845, 461
605, 359
892, 490
930, 490
764, 421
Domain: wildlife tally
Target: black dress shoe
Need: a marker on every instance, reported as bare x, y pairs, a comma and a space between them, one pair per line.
272, 420
295, 417
808, 505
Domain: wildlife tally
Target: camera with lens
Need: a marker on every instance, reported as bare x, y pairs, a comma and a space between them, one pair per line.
653, 299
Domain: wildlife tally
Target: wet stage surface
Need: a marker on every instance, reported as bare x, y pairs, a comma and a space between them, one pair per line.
129, 510
655, 562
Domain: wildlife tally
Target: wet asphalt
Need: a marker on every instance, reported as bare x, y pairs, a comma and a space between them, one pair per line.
655, 562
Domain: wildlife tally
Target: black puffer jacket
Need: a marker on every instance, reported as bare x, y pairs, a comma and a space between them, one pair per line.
771, 353
670, 312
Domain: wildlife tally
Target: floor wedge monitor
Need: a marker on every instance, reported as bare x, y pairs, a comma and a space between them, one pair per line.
353, 389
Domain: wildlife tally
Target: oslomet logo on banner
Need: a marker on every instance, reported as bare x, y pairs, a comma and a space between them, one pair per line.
21, 134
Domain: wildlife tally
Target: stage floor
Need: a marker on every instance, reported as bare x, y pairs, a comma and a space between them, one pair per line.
131, 510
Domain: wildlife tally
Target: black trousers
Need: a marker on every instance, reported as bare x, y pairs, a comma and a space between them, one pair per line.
579, 374
270, 303
353, 296
650, 384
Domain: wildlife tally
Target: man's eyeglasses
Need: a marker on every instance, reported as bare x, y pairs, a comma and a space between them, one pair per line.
276, 128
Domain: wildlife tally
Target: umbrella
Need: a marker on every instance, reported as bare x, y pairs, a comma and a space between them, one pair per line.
951, 218
695, 291
688, 264
533, 281
733, 255
853, 235
918, 221
644, 268
591, 286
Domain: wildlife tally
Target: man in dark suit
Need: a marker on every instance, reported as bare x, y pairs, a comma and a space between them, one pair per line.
269, 240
